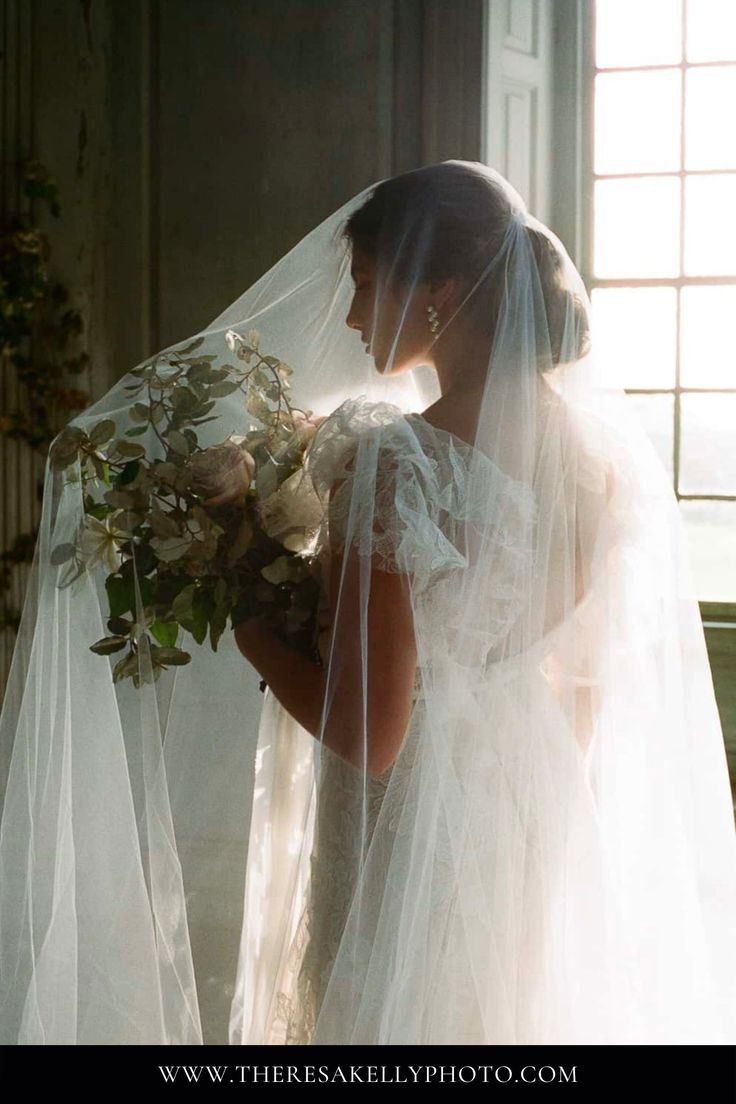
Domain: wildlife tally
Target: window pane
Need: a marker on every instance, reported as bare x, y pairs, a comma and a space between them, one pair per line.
708, 143
710, 225
636, 227
634, 335
711, 30
710, 528
707, 350
656, 414
708, 444
637, 32
637, 121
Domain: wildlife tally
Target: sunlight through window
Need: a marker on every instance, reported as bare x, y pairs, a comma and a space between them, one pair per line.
663, 285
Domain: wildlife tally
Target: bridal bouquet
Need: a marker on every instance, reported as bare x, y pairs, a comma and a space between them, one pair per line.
218, 532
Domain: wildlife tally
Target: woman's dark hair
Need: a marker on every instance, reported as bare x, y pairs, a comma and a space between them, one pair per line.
470, 216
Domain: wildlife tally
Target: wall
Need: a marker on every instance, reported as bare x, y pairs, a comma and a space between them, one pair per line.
194, 142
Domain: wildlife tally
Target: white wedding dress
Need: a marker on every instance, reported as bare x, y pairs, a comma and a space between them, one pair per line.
551, 857
500, 857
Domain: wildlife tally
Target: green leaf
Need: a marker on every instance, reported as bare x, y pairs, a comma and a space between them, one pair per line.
65, 447
178, 442
129, 448
109, 644
182, 605
119, 626
166, 473
217, 390
256, 404
102, 432
219, 615
217, 375
147, 586
62, 553
169, 549
205, 408
174, 656
183, 399
163, 523
202, 609
120, 594
128, 665
166, 632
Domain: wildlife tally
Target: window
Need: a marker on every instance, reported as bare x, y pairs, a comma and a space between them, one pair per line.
663, 247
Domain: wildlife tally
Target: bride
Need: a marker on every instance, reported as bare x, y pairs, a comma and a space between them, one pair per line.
506, 816
496, 809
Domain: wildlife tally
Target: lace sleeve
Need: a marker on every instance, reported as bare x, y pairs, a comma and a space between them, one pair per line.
383, 497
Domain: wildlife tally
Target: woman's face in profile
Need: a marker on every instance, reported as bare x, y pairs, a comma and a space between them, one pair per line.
395, 331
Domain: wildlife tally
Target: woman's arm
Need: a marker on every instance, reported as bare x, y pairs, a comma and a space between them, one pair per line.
296, 681
376, 676
375, 653
375, 660
299, 683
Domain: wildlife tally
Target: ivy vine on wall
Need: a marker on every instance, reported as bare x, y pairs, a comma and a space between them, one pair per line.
41, 341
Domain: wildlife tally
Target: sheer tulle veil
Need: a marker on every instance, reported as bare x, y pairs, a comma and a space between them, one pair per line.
548, 854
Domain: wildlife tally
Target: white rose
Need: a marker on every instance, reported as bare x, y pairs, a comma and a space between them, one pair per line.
223, 472
293, 513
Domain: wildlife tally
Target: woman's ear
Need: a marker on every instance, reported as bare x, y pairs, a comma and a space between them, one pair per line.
443, 292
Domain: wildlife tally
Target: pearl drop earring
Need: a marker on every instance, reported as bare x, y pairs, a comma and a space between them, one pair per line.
434, 322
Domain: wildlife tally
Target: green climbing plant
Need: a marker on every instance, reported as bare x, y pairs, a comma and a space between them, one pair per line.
41, 339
